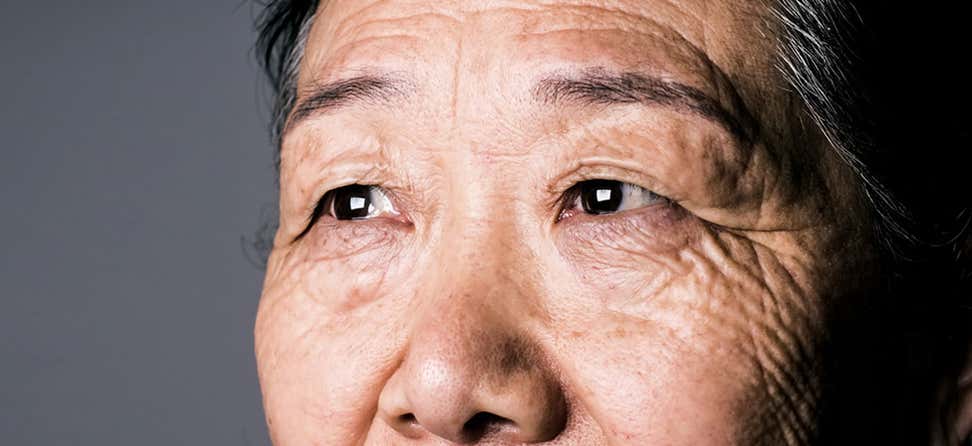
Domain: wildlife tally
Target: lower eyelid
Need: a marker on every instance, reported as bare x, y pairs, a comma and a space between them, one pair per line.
342, 238
648, 225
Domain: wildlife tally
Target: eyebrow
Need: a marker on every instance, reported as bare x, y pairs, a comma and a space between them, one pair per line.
326, 97
597, 87
585, 87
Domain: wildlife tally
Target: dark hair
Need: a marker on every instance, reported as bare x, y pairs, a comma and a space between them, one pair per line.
889, 118
283, 26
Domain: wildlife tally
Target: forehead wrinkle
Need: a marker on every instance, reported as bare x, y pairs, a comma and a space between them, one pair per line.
592, 17
663, 38
359, 20
693, 42
670, 53
340, 60
340, 38
397, 23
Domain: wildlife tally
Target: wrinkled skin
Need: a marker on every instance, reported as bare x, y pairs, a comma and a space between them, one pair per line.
478, 313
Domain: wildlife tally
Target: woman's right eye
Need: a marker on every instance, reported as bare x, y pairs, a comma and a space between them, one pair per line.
351, 202
355, 202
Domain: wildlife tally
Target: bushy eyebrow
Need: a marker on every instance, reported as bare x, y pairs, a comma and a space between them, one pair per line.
599, 87
329, 96
583, 88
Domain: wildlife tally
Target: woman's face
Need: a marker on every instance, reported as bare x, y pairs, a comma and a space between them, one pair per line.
582, 222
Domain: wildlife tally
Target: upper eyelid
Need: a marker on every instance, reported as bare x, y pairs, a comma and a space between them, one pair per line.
362, 171
606, 169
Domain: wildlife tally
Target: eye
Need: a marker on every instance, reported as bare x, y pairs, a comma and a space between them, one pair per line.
351, 202
355, 202
598, 197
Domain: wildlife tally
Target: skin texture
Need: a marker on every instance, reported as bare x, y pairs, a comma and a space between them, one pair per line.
480, 313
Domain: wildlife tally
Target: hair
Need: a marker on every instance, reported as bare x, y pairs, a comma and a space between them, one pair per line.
283, 27
835, 56
843, 59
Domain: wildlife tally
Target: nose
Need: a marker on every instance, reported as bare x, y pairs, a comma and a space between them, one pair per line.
470, 377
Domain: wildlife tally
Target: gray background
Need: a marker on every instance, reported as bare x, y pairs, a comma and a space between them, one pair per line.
135, 158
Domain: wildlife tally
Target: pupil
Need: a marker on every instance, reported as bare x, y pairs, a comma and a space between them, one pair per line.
601, 196
352, 202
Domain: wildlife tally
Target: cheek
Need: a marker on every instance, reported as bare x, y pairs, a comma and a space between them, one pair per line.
326, 335
320, 372
626, 259
692, 324
341, 266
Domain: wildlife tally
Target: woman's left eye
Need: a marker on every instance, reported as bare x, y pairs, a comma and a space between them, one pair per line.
599, 197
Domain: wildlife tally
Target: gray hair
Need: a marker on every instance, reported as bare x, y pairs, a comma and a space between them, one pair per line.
816, 56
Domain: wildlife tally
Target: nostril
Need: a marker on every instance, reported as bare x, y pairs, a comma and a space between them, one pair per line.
484, 423
408, 425
407, 419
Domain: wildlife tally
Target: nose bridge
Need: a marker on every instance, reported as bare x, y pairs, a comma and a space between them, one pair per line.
484, 256
474, 316
472, 369
484, 292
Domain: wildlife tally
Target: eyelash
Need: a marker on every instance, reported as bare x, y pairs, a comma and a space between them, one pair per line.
325, 205
566, 207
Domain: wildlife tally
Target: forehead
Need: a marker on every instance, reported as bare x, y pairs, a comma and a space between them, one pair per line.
704, 44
